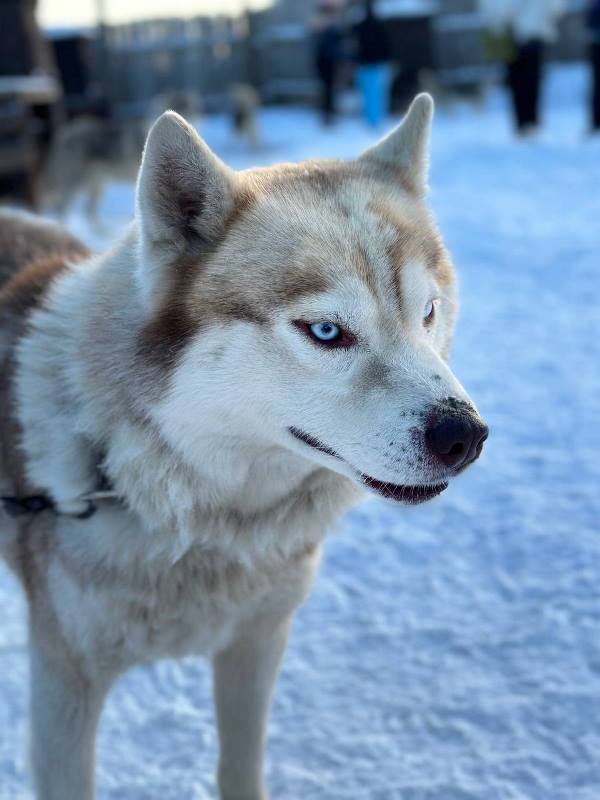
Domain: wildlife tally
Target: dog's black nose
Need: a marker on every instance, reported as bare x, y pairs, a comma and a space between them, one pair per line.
456, 436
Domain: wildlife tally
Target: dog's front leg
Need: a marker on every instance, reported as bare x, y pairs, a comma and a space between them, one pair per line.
65, 707
244, 677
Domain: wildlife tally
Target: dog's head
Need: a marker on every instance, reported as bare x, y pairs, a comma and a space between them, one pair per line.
306, 307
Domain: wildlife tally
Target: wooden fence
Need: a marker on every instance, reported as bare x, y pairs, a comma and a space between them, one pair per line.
206, 55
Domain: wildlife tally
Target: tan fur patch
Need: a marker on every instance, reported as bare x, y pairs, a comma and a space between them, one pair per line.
20, 294
23, 240
27, 288
363, 267
293, 285
165, 335
181, 316
412, 239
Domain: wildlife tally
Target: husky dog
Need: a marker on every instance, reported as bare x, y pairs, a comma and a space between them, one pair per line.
259, 349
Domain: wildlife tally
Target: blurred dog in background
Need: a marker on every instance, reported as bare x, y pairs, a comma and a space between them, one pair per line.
245, 102
89, 152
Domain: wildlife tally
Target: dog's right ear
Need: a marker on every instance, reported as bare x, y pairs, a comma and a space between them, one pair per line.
183, 199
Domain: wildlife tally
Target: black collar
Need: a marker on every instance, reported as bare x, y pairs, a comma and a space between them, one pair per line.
36, 503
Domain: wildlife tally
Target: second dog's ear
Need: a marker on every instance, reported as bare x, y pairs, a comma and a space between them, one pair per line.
184, 196
407, 147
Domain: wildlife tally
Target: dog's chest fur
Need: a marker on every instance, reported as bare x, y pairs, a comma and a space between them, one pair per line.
115, 607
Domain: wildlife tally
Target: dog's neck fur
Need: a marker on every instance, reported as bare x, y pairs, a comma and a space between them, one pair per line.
82, 409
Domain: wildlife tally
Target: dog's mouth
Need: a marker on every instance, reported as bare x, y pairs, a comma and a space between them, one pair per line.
314, 443
404, 494
409, 494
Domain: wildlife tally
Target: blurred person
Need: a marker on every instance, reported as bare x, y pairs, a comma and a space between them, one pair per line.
594, 29
523, 29
373, 54
328, 51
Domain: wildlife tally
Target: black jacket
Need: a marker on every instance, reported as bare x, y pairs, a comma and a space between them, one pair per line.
373, 45
328, 43
593, 18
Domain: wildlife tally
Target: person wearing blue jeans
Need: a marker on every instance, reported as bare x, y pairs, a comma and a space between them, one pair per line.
374, 85
373, 53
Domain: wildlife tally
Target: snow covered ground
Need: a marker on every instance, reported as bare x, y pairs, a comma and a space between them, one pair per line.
450, 652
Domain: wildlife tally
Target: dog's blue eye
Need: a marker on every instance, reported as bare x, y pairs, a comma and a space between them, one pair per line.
429, 313
325, 331
326, 334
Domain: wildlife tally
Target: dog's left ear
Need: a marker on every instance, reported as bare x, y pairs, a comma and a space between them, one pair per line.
183, 199
406, 148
